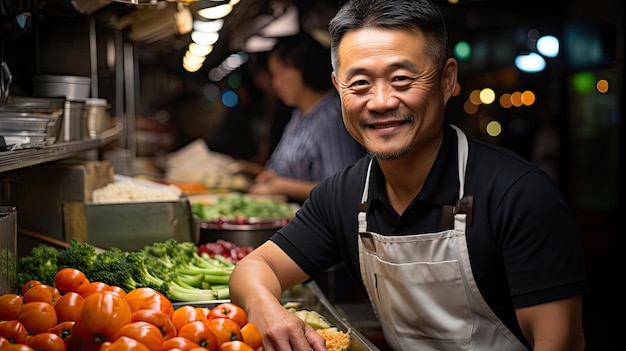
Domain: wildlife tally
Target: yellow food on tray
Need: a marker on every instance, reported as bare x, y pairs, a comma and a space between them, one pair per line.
336, 340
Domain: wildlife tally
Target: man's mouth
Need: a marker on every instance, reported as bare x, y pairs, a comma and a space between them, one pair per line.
387, 125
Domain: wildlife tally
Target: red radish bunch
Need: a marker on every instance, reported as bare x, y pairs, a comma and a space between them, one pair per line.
225, 249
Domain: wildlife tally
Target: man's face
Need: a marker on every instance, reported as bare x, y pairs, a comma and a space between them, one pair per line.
393, 95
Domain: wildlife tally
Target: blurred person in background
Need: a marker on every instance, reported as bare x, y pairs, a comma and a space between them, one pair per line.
274, 113
315, 143
459, 244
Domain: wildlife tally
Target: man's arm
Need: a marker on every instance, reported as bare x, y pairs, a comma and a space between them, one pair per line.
256, 285
554, 326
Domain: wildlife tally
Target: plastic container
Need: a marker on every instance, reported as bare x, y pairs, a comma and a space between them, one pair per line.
96, 116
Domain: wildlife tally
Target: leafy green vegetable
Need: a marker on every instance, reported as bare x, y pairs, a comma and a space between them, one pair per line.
170, 267
79, 255
41, 264
232, 206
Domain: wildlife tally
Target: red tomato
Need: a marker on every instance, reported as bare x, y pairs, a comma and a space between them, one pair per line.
102, 315
158, 319
69, 279
37, 317
145, 332
186, 314
235, 345
68, 306
55, 293
29, 284
118, 290
225, 329
200, 333
230, 311
10, 306
14, 331
179, 343
136, 296
124, 344
39, 292
205, 311
90, 288
3, 341
65, 330
158, 302
46, 342
148, 298
17, 347
250, 335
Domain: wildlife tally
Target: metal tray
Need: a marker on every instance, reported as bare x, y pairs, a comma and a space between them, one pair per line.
35, 124
310, 297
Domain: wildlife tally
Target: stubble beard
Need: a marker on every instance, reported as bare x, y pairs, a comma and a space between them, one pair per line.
391, 156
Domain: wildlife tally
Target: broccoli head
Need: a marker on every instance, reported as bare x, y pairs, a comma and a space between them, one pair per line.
110, 267
41, 264
80, 255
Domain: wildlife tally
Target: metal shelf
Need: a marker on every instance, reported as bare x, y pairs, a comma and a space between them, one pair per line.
16, 159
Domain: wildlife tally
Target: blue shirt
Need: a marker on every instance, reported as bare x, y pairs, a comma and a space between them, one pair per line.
316, 145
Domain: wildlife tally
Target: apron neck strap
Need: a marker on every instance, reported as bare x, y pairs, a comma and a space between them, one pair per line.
461, 158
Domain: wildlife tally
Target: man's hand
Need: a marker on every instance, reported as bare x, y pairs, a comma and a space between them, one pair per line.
282, 330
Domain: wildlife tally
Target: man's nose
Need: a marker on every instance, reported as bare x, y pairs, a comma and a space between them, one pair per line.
383, 98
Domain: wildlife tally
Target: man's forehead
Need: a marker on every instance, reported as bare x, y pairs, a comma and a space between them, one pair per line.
380, 46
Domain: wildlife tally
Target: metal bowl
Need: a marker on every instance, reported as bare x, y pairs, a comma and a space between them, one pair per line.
251, 234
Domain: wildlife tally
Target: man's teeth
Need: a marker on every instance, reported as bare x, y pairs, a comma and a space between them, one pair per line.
389, 125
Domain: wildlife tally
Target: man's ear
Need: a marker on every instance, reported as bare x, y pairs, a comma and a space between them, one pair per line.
449, 77
334, 79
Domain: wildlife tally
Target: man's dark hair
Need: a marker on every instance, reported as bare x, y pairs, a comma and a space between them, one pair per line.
396, 14
304, 53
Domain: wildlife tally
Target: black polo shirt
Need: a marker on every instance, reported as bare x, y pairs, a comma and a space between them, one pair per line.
523, 243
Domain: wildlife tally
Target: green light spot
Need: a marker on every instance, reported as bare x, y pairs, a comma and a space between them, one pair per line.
234, 80
584, 82
462, 50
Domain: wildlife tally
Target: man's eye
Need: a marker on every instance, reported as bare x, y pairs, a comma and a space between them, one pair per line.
359, 83
401, 81
401, 78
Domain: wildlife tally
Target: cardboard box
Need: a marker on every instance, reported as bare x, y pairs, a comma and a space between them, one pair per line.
38, 192
129, 226
8, 249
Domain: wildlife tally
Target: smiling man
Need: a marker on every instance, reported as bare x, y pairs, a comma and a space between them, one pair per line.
458, 244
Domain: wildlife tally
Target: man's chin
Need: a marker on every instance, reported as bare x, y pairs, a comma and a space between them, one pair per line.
391, 155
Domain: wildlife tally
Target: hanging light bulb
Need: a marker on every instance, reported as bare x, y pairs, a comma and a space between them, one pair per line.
204, 38
216, 12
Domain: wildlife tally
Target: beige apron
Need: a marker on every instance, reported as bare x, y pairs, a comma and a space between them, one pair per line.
422, 288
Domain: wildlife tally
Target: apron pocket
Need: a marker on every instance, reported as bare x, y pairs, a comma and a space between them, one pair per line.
443, 311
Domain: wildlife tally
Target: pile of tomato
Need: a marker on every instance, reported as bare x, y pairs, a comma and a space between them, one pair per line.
76, 314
